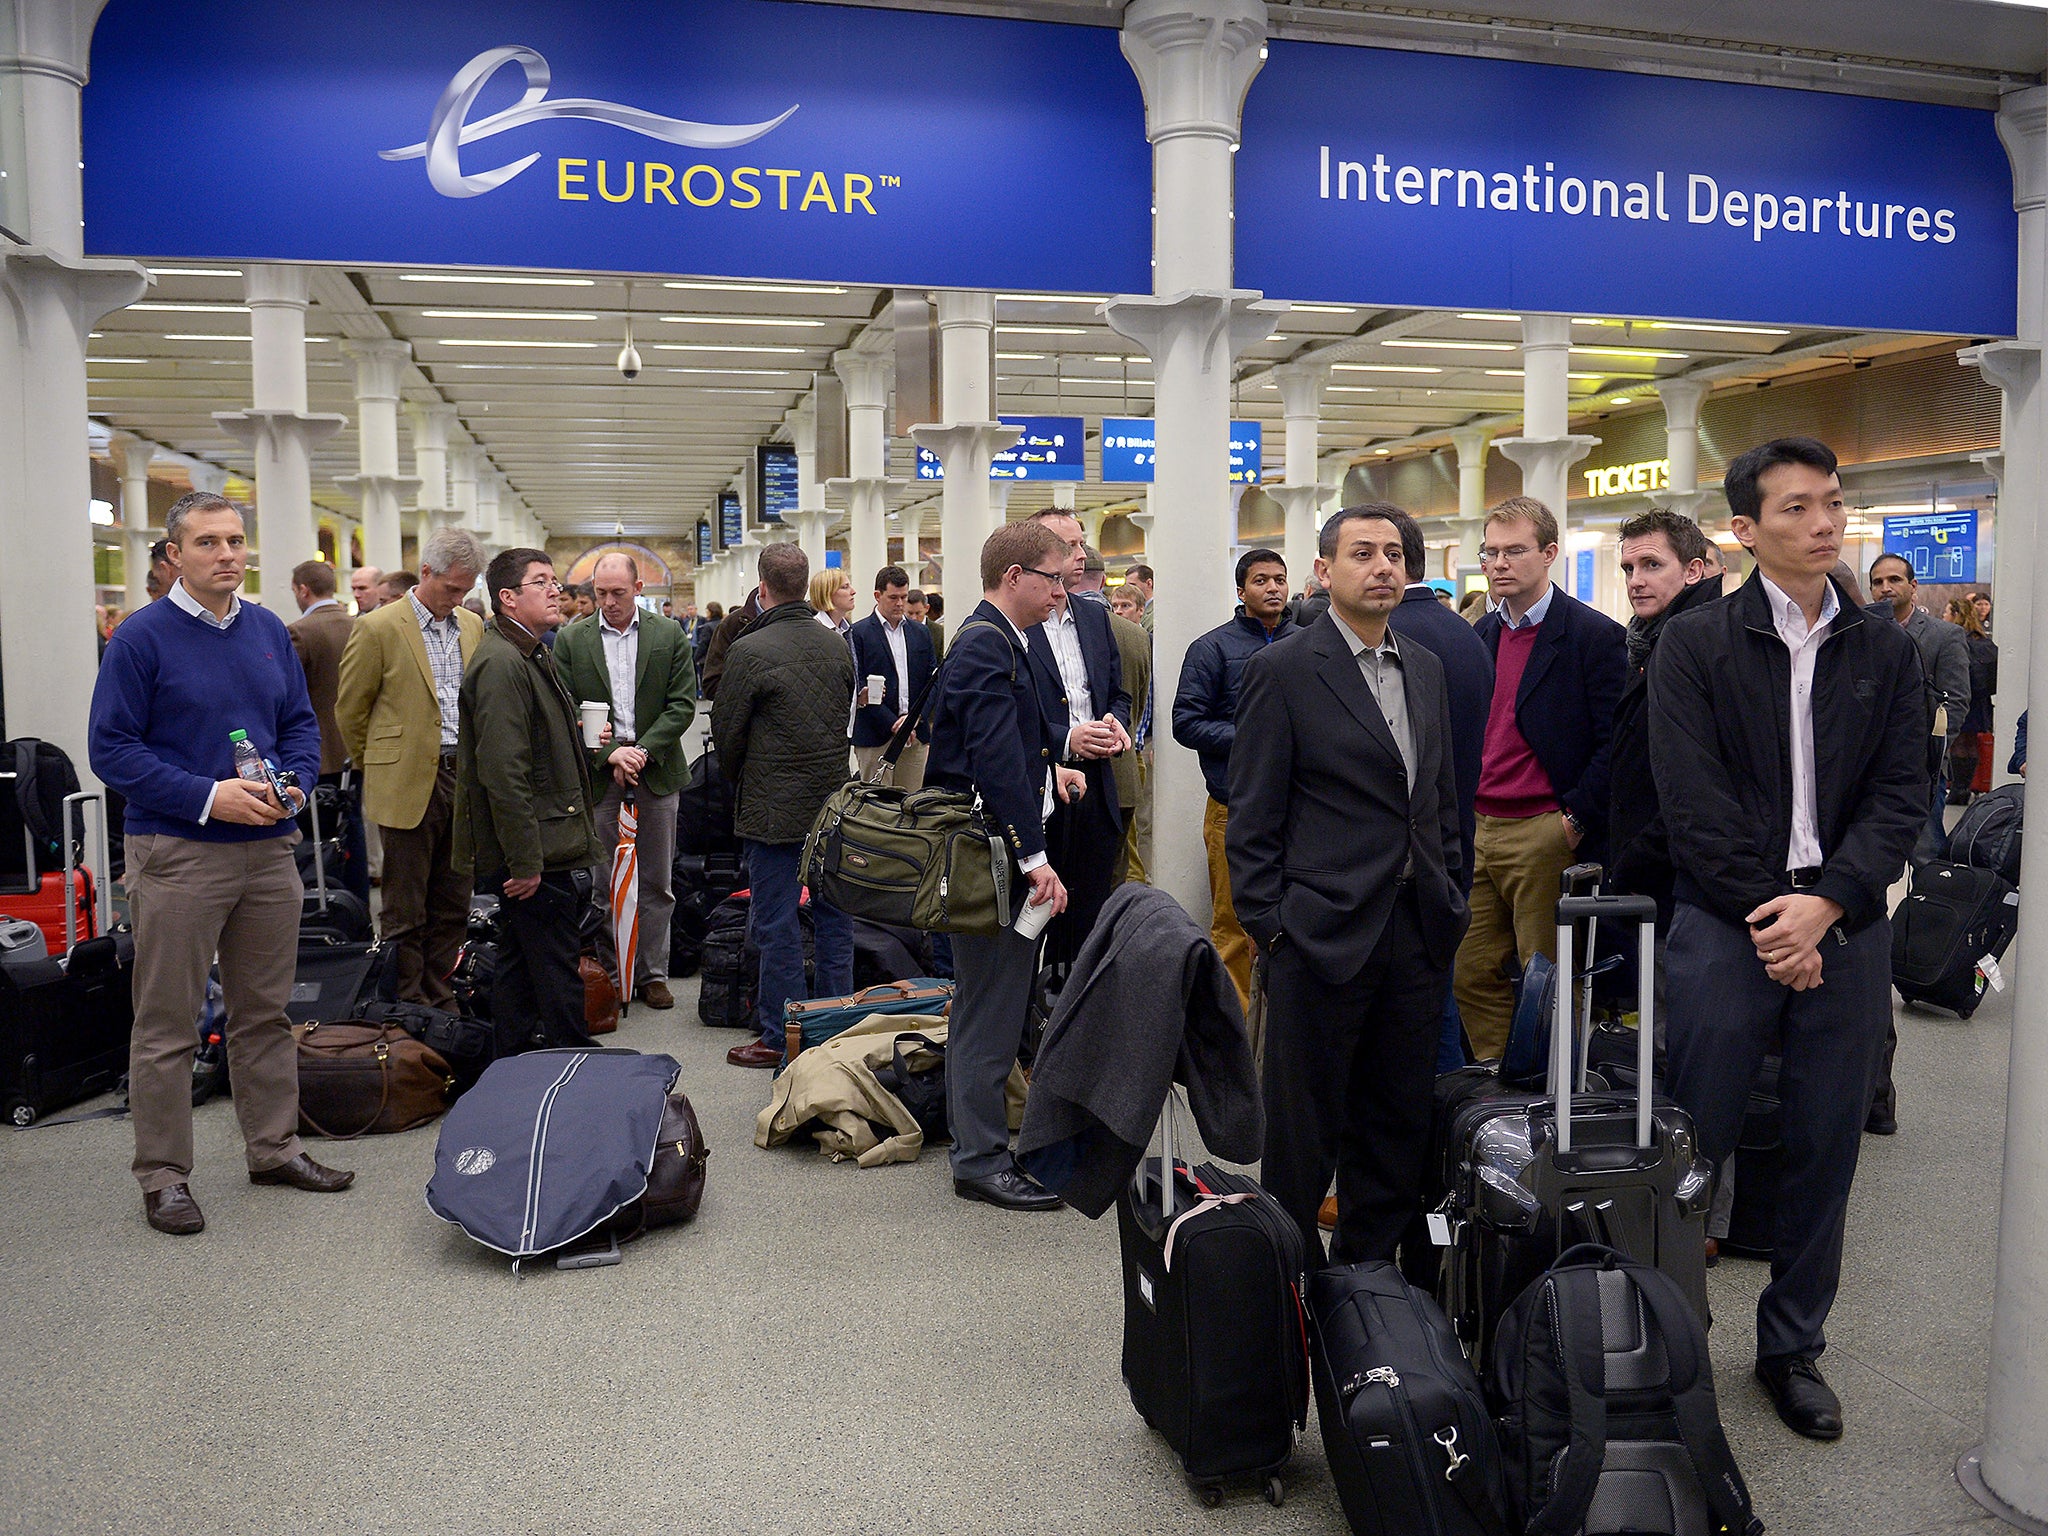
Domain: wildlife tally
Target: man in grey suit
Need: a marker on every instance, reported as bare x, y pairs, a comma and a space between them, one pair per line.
1346, 870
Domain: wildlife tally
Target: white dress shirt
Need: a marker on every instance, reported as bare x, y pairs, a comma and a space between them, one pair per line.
1065, 636
622, 665
899, 653
1803, 848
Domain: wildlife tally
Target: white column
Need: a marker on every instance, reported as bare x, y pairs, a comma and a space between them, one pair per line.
464, 460
913, 557
279, 430
1471, 444
344, 556
379, 489
430, 425
1194, 60
1547, 449
1063, 495
966, 443
1682, 399
813, 517
50, 296
489, 492
866, 377
131, 461
1301, 402
2009, 1472
999, 501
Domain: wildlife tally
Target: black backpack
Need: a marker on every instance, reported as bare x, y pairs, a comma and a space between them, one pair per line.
1988, 834
1605, 1399
43, 776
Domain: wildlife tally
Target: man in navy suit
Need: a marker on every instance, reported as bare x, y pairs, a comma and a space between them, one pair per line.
991, 736
1081, 689
1542, 798
896, 648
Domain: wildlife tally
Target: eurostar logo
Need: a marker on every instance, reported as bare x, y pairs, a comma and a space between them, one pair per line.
449, 128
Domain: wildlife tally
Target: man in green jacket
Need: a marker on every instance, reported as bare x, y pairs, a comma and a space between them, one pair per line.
523, 806
779, 724
642, 665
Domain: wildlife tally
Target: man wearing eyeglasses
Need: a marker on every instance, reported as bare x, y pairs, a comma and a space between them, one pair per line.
523, 805
1558, 668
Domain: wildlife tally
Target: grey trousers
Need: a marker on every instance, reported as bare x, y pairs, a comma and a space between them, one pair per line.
656, 837
190, 901
991, 1002
1725, 1016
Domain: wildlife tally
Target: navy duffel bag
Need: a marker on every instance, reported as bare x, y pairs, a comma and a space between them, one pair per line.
549, 1145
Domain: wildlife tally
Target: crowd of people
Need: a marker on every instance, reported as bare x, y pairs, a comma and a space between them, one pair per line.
1394, 788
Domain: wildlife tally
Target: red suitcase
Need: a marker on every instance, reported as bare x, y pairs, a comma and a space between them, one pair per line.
45, 907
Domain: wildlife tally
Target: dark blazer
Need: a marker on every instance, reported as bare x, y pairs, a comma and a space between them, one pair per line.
1322, 818
1468, 679
320, 636
989, 733
1565, 706
873, 723
1106, 688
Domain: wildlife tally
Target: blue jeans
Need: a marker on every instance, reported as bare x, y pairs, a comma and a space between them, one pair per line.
777, 932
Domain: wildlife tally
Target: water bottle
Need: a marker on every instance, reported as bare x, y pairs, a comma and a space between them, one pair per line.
249, 762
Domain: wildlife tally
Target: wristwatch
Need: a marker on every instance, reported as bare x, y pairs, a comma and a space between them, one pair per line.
1573, 822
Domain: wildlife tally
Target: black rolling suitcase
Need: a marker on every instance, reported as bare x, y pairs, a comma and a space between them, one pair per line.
1405, 1424
1955, 918
1215, 1336
1533, 1175
64, 1024
1759, 1158
328, 911
335, 978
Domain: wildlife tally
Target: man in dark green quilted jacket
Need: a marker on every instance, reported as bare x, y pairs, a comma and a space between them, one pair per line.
780, 726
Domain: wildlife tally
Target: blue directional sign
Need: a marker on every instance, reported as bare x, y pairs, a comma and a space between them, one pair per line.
732, 527
1582, 576
1127, 455
1942, 546
1050, 449
1446, 181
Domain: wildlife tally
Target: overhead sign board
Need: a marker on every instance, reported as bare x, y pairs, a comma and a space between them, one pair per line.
1127, 454
704, 543
775, 464
1442, 181
1941, 546
1051, 448
724, 138
732, 526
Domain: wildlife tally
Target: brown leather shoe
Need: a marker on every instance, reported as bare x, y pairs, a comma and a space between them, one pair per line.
754, 1054
655, 994
303, 1173
173, 1210
1326, 1214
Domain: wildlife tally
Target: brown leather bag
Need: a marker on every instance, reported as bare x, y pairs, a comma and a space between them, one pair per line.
675, 1183
359, 1079
600, 996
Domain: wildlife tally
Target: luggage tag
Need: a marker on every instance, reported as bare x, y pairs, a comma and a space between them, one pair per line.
1439, 1229
1987, 967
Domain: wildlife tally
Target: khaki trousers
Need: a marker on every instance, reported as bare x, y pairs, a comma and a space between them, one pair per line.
1231, 941
1132, 866
426, 899
190, 901
909, 774
1515, 866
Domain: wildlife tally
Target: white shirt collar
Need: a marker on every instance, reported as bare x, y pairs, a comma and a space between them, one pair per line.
1786, 610
1536, 613
631, 624
190, 604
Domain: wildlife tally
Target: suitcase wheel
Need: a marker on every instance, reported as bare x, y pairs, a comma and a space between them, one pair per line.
1211, 1495
20, 1113
1276, 1492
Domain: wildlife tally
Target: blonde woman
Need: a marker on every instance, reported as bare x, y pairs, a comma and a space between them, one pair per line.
832, 600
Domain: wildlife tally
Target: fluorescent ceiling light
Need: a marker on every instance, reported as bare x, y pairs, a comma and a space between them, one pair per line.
1351, 389
1384, 368
1622, 400
712, 346
1684, 325
1483, 315
1516, 373
1114, 358
506, 279
504, 314
201, 336
91, 360
742, 373
1020, 357
195, 309
1047, 298
1322, 309
503, 341
755, 288
194, 271
1630, 352
1450, 346
739, 320
1043, 330
1383, 450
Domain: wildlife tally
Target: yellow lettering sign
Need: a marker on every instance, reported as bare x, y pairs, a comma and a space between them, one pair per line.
1629, 479
565, 178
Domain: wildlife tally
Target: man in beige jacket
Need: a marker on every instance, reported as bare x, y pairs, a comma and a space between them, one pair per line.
401, 681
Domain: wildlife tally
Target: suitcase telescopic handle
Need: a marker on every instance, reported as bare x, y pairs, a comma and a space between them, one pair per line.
102, 886
1570, 910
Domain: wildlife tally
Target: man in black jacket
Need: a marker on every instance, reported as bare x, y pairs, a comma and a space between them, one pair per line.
1345, 866
1787, 737
891, 645
1542, 798
1664, 563
991, 737
1205, 721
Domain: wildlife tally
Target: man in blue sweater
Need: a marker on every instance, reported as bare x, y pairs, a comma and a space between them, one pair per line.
210, 867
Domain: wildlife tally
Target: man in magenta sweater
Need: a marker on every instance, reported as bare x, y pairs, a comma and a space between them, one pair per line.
210, 868
1558, 668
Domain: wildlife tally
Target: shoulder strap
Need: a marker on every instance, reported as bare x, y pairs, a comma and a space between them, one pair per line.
1692, 1399
28, 793
1582, 1348
915, 714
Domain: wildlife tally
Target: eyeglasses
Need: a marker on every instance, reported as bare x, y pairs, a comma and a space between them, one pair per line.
1502, 556
1032, 570
544, 584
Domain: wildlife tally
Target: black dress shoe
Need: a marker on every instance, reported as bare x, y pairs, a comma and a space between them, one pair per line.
1805, 1402
1010, 1189
173, 1210
303, 1173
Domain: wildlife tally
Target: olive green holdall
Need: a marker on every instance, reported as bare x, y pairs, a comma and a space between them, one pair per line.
918, 859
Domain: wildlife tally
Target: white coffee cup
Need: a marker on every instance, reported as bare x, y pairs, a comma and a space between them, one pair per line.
594, 716
1032, 918
876, 683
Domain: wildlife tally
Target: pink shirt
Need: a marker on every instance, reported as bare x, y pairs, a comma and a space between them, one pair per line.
1512, 782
